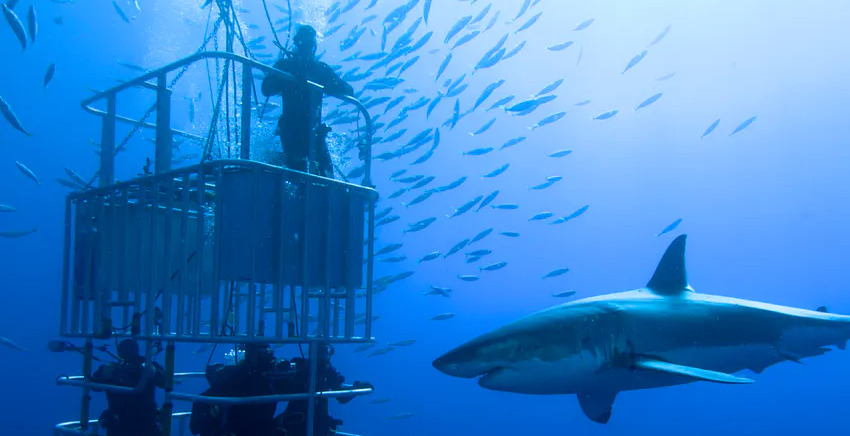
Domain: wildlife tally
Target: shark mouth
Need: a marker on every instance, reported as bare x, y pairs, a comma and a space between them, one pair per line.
485, 376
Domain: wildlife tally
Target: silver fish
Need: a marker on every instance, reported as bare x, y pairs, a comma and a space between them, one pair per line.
27, 172
11, 117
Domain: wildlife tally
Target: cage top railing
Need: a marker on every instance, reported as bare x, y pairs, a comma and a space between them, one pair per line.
209, 168
159, 75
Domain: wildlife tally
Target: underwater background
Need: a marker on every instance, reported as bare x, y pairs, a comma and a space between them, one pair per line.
766, 208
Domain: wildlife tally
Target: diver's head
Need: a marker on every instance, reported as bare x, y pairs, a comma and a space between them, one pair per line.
305, 41
259, 357
325, 351
128, 351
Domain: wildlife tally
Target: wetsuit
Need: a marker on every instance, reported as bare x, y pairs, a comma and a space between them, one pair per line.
130, 414
301, 112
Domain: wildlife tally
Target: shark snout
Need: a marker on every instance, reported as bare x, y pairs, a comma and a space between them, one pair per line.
459, 363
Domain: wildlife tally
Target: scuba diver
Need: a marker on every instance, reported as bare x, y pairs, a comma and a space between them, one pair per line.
302, 133
130, 414
247, 378
294, 419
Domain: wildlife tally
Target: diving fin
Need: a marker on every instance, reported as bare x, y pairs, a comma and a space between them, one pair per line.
597, 405
689, 371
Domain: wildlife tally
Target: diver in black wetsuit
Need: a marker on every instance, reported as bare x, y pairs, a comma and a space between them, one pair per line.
294, 419
301, 131
248, 378
130, 414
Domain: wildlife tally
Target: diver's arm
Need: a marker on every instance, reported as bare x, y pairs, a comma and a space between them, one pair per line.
273, 84
159, 378
333, 83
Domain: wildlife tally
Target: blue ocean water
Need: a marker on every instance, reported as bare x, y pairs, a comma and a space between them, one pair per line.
765, 209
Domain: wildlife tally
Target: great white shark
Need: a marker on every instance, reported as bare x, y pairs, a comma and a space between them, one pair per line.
663, 334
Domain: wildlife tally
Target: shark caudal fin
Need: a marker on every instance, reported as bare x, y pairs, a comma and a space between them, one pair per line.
671, 277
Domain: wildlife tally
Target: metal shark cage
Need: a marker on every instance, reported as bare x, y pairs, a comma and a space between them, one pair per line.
223, 251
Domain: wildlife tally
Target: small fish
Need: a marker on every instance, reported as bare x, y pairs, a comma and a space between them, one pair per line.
457, 27
649, 101
437, 290
528, 23
75, 177
556, 273
660, 36
442, 316
8, 342
457, 247
584, 24
452, 185
501, 102
479, 253
543, 185
606, 115
548, 120
510, 234
398, 173
421, 197
575, 214
497, 171
394, 259
493, 266
387, 220
711, 128
583, 102
468, 278
364, 347
420, 225
478, 151
564, 294
522, 9
506, 206
443, 66
381, 400
10, 116
743, 125
397, 193
403, 343
639, 57
32, 23
560, 153
388, 249
484, 128
559, 47
426, 11
16, 25
541, 216
383, 213
481, 235
404, 415
429, 256
666, 76
514, 51
380, 351
17, 233
27, 172
120, 12
670, 227
466, 207
48, 75
512, 142
550, 87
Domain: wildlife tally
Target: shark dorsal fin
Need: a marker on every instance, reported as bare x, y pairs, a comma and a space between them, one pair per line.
822, 309
671, 277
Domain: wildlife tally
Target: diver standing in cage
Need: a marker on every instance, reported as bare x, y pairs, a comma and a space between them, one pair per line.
302, 133
130, 414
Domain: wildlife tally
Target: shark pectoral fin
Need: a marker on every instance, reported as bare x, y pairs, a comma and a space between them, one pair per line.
689, 371
597, 405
